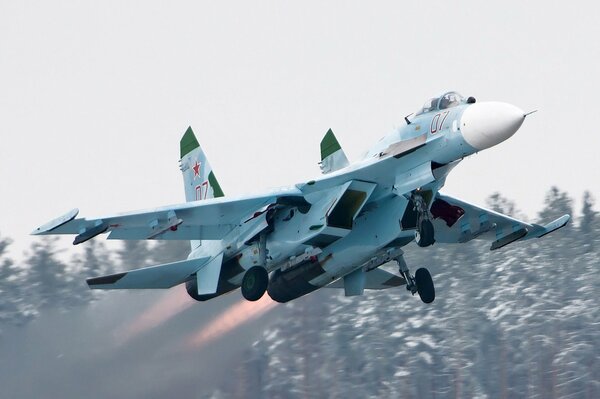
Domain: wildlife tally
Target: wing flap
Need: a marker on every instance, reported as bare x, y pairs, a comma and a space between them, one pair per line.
509, 238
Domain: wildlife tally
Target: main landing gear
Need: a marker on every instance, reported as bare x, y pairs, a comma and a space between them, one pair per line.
254, 283
256, 279
420, 283
425, 234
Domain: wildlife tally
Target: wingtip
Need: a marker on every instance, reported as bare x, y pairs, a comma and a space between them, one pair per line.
56, 223
554, 225
561, 221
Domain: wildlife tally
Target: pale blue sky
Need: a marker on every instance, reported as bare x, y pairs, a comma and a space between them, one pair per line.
94, 96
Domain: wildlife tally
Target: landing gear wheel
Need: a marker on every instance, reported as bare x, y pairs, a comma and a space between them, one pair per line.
254, 283
424, 236
425, 286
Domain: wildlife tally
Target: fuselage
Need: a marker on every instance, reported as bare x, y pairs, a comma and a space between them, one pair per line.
312, 244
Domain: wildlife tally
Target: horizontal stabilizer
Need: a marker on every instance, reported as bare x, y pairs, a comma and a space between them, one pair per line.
161, 276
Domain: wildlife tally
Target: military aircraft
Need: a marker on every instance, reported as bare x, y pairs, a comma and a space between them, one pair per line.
335, 230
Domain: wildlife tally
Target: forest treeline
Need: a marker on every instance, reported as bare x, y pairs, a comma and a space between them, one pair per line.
44, 280
522, 321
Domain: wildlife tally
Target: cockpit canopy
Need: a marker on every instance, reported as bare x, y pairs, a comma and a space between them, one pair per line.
448, 100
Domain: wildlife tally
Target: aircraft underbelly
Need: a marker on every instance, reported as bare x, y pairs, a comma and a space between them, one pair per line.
372, 231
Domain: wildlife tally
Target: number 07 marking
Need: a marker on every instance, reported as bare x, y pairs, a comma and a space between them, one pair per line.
436, 124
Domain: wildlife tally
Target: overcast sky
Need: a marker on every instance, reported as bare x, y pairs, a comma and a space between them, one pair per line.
94, 96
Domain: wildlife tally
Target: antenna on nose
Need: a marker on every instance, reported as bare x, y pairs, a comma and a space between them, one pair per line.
406, 118
529, 113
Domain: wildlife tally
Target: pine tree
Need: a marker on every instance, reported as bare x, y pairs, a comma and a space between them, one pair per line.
165, 251
134, 254
498, 203
94, 261
13, 309
557, 203
48, 283
588, 228
517, 322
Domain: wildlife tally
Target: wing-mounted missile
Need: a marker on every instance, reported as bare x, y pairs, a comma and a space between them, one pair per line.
170, 225
536, 231
98, 228
508, 238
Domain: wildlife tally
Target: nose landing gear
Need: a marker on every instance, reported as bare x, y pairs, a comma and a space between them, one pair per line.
425, 234
420, 283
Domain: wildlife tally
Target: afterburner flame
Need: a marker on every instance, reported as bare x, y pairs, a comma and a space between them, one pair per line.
234, 317
173, 302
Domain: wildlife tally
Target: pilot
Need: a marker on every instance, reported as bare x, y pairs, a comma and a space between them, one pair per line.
433, 104
445, 102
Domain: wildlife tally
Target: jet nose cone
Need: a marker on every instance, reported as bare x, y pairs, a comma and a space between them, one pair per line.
486, 124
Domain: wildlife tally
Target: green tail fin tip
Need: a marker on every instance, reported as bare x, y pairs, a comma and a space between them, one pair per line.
329, 145
212, 180
188, 142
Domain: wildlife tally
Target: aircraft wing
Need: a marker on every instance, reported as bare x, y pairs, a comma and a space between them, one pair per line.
209, 219
456, 221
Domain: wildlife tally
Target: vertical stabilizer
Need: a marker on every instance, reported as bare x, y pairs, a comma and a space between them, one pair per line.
332, 156
198, 177
199, 180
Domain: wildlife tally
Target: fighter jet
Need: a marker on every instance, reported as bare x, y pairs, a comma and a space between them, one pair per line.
335, 230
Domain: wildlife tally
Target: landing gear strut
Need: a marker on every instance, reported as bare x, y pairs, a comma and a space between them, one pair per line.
256, 279
425, 234
420, 283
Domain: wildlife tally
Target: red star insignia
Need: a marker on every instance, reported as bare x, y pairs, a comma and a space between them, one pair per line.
196, 168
